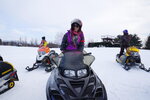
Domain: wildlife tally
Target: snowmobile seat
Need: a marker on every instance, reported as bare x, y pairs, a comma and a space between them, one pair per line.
5, 68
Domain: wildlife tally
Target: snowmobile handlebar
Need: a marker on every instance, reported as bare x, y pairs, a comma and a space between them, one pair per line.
87, 54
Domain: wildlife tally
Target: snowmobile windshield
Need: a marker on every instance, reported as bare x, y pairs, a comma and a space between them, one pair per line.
134, 54
76, 60
71, 57
72, 61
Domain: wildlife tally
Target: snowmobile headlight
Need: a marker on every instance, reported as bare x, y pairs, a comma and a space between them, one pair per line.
42, 52
82, 72
69, 73
134, 53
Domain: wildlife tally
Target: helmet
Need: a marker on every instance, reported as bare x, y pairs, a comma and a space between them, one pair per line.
125, 32
78, 21
43, 38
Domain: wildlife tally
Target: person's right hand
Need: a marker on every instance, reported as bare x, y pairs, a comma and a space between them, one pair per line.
62, 51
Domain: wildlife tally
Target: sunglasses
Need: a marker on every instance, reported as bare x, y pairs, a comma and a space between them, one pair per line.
76, 25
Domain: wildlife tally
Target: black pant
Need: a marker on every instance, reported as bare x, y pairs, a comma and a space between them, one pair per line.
122, 50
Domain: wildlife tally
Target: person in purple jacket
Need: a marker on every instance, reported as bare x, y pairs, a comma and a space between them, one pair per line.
74, 38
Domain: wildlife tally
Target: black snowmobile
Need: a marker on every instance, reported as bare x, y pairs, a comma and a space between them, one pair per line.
1, 59
8, 74
44, 59
74, 79
131, 58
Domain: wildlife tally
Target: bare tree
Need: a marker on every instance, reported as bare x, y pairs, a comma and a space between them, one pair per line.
25, 41
32, 42
58, 38
35, 42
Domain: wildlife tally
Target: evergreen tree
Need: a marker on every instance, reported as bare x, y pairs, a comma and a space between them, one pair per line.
147, 44
135, 41
117, 41
0, 41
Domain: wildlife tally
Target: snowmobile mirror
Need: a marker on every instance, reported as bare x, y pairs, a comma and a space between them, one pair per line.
57, 60
88, 59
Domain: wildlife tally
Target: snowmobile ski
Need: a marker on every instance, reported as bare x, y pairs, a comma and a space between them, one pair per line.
32, 68
49, 69
143, 68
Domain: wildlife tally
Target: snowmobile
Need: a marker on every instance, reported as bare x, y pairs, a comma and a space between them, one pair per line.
8, 74
131, 58
1, 58
74, 79
44, 59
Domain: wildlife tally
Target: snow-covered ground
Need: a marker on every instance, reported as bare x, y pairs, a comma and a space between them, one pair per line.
120, 84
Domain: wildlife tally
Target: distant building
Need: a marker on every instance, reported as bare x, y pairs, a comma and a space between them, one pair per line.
107, 41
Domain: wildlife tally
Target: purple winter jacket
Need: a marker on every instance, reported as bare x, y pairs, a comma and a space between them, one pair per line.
72, 42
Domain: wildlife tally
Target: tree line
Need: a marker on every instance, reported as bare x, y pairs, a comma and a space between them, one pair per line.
33, 43
106, 42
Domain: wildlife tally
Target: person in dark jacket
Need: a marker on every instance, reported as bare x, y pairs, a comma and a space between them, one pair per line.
74, 38
125, 42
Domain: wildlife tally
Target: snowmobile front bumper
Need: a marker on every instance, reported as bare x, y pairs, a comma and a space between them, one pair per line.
66, 89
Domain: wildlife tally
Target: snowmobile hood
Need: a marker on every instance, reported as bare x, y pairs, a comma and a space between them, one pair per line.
132, 49
44, 49
62, 88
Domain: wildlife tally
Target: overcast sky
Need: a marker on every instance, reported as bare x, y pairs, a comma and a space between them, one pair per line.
32, 19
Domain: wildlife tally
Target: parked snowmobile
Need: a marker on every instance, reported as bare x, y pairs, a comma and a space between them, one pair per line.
74, 79
131, 58
1, 58
8, 74
44, 59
